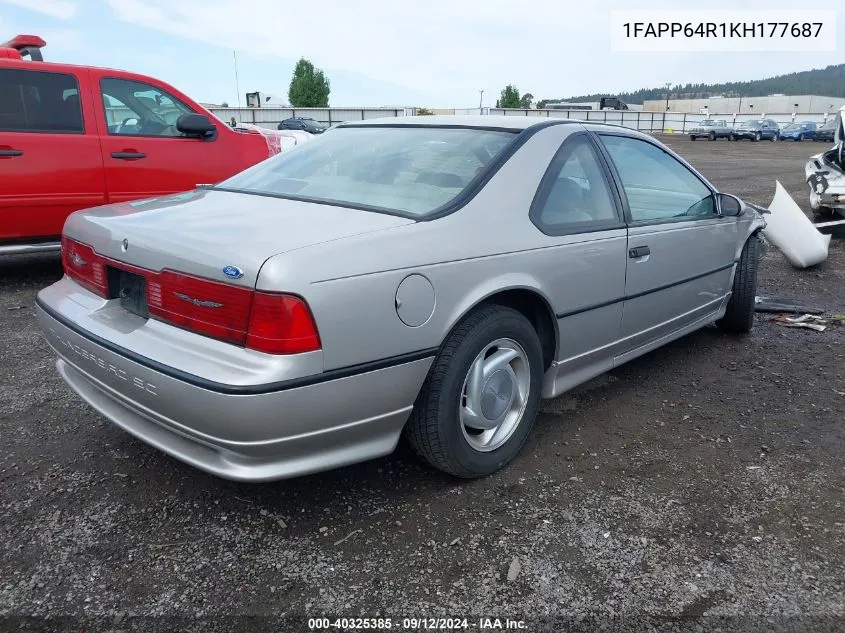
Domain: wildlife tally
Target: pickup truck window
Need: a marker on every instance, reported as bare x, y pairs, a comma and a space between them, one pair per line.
34, 101
137, 109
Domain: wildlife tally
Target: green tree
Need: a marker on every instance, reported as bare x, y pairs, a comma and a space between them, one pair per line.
526, 100
424, 112
542, 103
509, 98
309, 87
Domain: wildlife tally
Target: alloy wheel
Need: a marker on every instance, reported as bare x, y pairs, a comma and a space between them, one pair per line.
494, 395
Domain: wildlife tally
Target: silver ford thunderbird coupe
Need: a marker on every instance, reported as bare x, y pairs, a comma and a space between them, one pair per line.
427, 277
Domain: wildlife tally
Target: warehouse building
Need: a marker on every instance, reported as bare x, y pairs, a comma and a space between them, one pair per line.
772, 104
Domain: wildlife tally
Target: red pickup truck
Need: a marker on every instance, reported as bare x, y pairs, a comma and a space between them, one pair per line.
73, 137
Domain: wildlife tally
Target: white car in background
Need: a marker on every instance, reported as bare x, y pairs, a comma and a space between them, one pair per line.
825, 174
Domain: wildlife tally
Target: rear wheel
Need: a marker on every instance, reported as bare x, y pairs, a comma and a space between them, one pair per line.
481, 396
800, 137
692, 137
731, 137
739, 315
758, 137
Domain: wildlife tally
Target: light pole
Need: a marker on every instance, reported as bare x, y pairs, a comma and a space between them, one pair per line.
668, 87
237, 85
480, 99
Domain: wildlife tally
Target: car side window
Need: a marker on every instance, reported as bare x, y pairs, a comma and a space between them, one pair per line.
134, 108
35, 101
574, 195
658, 186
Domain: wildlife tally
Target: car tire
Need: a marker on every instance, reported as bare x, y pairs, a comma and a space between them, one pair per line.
731, 137
800, 137
437, 429
739, 315
758, 137
712, 136
692, 137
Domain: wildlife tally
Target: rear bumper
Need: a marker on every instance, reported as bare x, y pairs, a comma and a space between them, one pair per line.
241, 436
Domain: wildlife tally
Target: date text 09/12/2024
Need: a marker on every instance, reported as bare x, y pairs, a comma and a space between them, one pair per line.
416, 624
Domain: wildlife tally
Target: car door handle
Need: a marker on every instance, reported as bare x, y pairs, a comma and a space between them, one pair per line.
128, 155
11, 152
639, 251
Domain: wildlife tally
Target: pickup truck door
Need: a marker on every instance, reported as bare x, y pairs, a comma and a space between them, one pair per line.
50, 162
144, 154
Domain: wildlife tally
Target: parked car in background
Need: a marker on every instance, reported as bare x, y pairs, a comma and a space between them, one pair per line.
805, 130
397, 276
826, 132
287, 138
711, 129
73, 137
302, 123
756, 130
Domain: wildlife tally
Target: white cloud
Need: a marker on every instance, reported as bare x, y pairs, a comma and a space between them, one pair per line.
61, 9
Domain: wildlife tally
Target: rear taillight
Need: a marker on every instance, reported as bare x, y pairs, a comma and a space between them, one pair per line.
273, 323
207, 307
281, 324
84, 266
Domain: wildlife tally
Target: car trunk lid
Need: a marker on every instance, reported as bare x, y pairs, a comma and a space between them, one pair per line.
217, 235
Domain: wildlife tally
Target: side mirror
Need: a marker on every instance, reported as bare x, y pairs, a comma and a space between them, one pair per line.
729, 205
196, 125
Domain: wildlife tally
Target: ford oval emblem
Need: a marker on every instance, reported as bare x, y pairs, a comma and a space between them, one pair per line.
233, 272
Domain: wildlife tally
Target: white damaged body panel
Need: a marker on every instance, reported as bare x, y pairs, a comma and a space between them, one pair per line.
790, 230
825, 174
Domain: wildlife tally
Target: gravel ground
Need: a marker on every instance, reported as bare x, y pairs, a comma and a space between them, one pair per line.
703, 482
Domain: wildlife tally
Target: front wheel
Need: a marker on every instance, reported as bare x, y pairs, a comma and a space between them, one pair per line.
739, 315
800, 137
481, 396
758, 137
692, 137
731, 137
712, 136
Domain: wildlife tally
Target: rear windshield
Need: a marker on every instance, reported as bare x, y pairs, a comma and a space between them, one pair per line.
410, 170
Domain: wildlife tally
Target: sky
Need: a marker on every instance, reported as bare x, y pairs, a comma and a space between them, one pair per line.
434, 53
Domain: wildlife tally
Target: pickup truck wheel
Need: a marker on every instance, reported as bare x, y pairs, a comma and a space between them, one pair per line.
731, 137
758, 137
739, 315
712, 136
481, 396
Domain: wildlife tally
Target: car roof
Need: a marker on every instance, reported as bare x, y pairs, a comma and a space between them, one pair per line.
478, 121
495, 122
